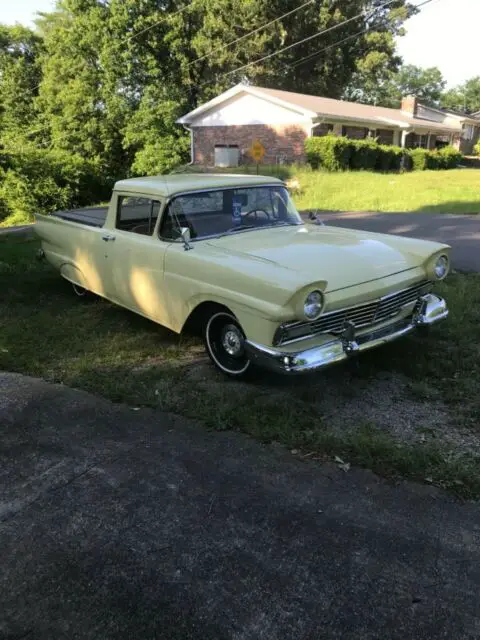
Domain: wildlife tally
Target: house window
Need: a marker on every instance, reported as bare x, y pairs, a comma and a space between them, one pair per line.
357, 133
322, 129
384, 136
468, 131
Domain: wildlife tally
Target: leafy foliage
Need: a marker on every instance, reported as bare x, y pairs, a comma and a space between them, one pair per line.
337, 153
388, 87
465, 97
40, 180
103, 83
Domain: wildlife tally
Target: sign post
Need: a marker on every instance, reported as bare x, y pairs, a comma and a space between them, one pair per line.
257, 151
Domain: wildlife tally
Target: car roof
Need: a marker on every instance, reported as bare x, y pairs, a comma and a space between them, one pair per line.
172, 184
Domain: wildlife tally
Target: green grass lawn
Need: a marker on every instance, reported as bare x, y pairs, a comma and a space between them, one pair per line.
410, 409
453, 191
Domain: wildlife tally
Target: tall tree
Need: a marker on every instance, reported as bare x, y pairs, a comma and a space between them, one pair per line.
464, 97
116, 75
20, 74
389, 87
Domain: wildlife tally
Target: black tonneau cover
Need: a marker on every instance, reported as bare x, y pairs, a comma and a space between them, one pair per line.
93, 217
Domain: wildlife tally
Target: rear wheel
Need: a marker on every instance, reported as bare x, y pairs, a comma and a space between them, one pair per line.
78, 290
225, 344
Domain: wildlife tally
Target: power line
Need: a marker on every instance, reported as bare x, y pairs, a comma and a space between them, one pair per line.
250, 33
298, 63
315, 35
155, 24
313, 55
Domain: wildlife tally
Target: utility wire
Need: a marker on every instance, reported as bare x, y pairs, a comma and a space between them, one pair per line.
155, 24
139, 33
315, 35
313, 55
250, 33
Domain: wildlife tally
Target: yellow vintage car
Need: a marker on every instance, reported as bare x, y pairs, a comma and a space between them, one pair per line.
229, 255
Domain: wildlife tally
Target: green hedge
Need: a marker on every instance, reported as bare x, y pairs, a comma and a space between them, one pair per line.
42, 180
337, 153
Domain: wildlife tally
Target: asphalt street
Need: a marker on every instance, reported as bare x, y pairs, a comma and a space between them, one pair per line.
124, 523
461, 232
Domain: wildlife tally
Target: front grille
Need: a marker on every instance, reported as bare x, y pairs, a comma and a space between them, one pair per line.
362, 315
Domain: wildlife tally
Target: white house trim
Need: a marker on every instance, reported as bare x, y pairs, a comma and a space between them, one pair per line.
191, 117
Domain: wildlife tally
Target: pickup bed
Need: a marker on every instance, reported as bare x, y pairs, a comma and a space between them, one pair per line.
92, 217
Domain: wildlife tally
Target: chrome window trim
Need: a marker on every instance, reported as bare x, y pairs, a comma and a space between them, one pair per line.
172, 198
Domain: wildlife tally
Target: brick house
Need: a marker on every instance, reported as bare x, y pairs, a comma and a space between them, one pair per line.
282, 120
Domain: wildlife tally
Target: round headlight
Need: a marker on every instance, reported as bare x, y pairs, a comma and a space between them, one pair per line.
440, 268
313, 305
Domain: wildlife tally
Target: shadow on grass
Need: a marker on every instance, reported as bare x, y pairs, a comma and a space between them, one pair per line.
361, 411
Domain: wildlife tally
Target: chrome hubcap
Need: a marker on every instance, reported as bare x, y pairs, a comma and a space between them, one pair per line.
232, 341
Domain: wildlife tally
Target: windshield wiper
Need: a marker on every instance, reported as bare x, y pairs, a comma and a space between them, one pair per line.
277, 223
240, 227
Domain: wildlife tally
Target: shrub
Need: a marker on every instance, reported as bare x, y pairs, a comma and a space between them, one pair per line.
476, 149
337, 153
446, 158
365, 154
332, 153
449, 157
392, 158
419, 159
42, 180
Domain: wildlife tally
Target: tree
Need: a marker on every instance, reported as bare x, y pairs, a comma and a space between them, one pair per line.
107, 80
464, 97
20, 74
426, 84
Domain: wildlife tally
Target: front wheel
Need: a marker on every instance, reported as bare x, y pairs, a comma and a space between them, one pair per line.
225, 344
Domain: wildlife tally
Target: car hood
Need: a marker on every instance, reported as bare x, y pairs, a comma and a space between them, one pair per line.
341, 257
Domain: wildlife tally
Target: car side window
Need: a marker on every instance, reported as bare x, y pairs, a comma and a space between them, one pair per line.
189, 211
137, 214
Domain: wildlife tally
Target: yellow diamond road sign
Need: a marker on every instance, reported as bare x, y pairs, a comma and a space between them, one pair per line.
257, 151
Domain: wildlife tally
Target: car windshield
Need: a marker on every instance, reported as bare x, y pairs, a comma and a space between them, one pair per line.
223, 211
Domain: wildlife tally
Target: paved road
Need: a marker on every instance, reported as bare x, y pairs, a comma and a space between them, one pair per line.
117, 523
462, 232
20, 230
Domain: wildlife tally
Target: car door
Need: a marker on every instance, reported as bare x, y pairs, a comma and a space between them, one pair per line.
137, 257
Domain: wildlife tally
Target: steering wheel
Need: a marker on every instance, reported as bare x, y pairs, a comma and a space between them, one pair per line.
255, 213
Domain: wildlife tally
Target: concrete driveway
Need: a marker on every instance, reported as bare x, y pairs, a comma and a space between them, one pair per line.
462, 232
117, 523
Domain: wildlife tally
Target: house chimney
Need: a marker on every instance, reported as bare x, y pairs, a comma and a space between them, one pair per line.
409, 105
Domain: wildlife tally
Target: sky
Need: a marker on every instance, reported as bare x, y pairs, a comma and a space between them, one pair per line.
443, 34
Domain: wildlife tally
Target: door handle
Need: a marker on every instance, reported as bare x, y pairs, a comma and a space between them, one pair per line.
108, 238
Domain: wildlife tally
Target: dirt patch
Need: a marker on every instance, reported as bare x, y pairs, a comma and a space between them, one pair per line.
341, 401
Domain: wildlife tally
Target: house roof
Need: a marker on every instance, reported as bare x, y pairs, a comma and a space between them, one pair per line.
317, 107
461, 115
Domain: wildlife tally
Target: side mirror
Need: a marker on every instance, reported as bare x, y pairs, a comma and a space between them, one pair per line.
314, 218
185, 235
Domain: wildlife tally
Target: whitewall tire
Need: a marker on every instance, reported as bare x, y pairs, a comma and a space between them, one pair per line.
225, 344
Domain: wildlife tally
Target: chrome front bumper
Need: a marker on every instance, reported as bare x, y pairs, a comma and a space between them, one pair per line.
431, 309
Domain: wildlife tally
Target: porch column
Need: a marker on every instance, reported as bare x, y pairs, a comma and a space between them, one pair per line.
428, 140
337, 129
396, 138
404, 138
